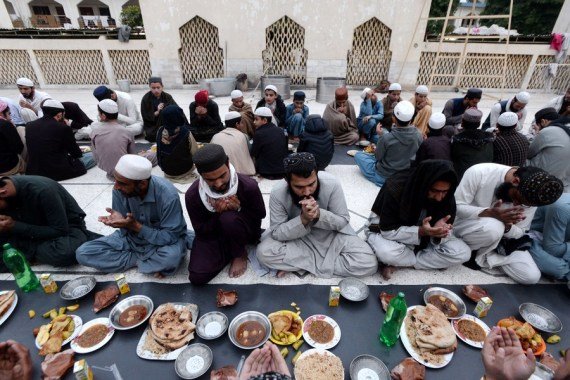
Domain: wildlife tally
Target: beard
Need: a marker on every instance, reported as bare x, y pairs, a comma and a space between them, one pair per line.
503, 192
296, 198
222, 190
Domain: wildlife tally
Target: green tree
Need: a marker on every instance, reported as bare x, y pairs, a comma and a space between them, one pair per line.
131, 16
530, 17
439, 9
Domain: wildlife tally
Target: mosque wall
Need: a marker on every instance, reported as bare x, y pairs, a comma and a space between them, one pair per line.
242, 37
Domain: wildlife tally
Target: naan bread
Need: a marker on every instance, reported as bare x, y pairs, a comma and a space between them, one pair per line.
432, 331
171, 328
6, 301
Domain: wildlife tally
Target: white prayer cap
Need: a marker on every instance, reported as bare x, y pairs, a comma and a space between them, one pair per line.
404, 111
133, 166
272, 88
523, 97
232, 115
508, 119
365, 92
236, 94
437, 120
109, 106
263, 111
422, 90
395, 87
25, 82
51, 103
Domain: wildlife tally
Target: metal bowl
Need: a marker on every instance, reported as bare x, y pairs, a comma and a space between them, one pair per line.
372, 364
249, 316
211, 317
124, 305
540, 317
77, 288
193, 361
353, 289
450, 295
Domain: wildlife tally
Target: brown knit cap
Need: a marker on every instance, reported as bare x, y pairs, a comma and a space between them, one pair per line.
341, 93
540, 188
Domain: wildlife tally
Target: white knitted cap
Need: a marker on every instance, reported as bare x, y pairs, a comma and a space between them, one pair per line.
395, 87
232, 115
404, 111
263, 111
236, 94
25, 82
508, 119
133, 166
109, 106
422, 90
437, 121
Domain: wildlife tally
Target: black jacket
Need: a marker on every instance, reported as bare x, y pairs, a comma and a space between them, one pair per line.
471, 147
269, 149
318, 140
151, 123
204, 127
52, 150
10, 146
280, 110
434, 148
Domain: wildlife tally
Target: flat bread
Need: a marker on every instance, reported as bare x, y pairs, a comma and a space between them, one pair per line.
431, 331
170, 327
6, 301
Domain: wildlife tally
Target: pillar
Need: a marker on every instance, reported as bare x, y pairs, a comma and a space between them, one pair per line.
5, 20
115, 8
23, 10
71, 11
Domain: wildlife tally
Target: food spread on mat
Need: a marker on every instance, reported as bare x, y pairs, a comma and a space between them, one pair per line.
321, 332
171, 327
250, 333
319, 366
286, 326
6, 301
132, 315
226, 298
471, 330
447, 306
92, 336
52, 335
527, 334
106, 297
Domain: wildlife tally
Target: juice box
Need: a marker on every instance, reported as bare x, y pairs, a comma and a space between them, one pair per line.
82, 371
483, 307
334, 296
122, 283
48, 283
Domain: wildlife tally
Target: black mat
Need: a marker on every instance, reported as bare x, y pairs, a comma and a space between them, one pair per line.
359, 322
340, 157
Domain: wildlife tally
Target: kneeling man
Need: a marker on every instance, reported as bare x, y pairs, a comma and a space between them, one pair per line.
496, 231
416, 209
152, 231
226, 209
309, 226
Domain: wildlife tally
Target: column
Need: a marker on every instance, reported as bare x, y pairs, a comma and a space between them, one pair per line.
115, 8
5, 20
71, 11
23, 10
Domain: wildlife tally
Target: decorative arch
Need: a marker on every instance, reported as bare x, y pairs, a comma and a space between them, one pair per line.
200, 53
285, 52
370, 56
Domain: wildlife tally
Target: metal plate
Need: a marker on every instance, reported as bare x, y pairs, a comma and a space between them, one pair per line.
77, 288
353, 289
311, 341
11, 309
435, 291
368, 367
193, 361
125, 304
212, 317
540, 317
249, 316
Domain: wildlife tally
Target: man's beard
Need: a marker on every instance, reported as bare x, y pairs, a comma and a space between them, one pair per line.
222, 191
502, 192
29, 96
297, 198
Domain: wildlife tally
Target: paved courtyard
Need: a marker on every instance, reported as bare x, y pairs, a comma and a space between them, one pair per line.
93, 193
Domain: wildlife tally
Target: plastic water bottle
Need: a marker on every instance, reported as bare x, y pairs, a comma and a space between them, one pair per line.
20, 268
395, 314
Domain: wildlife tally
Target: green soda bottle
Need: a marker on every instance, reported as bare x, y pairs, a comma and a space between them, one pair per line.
20, 268
397, 310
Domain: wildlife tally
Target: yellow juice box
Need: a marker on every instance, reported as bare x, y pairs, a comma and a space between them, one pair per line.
82, 371
122, 283
48, 283
483, 307
334, 296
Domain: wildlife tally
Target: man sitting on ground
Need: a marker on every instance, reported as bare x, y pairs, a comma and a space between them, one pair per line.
471, 146
436, 146
483, 222
551, 249
41, 219
422, 104
416, 211
151, 231
245, 110
340, 117
273, 101
561, 104
389, 103
235, 144
371, 113
550, 149
269, 146
110, 141
456, 107
152, 104
510, 147
309, 226
205, 119
318, 140
52, 150
516, 104
14, 111
30, 100
12, 149
296, 115
226, 209
395, 149
129, 117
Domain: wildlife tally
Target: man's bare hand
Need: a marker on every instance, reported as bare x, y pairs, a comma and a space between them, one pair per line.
309, 210
440, 231
6, 223
508, 216
116, 220
15, 361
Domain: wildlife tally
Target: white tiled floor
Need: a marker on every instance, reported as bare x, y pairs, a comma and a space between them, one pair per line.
93, 193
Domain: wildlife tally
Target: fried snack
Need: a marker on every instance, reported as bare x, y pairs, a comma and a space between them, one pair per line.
474, 292
385, 299
6, 301
285, 326
225, 373
226, 298
281, 322
55, 366
408, 369
105, 297
53, 344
